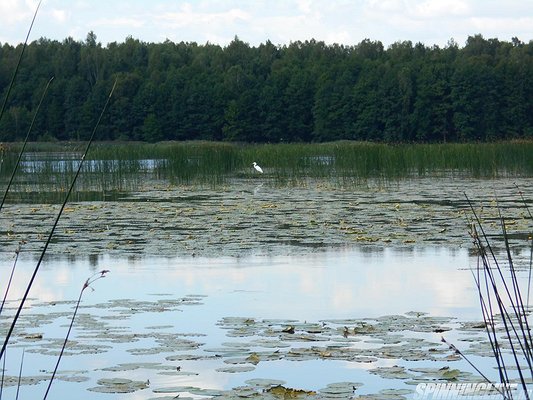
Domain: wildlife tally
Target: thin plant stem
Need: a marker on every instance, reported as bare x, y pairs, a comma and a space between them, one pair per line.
488, 317
520, 312
486, 311
49, 239
530, 268
3, 376
507, 322
530, 237
87, 284
17, 251
519, 340
24, 144
457, 351
20, 375
18, 62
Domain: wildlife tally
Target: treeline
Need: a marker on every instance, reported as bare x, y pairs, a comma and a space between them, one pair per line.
305, 91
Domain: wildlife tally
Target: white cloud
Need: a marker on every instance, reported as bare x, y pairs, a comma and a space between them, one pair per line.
280, 21
59, 15
304, 6
440, 8
13, 11
338, 37
188, 17
120, 22
504, 28
386, 6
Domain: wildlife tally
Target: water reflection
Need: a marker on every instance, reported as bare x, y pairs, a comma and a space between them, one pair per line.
320, 286
333, 284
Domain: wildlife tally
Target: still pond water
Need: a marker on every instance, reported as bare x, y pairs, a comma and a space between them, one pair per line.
240, 288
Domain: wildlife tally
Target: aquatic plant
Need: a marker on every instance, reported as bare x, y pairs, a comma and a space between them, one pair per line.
8, 285
87, 284
21, 152
122, 167
503, 307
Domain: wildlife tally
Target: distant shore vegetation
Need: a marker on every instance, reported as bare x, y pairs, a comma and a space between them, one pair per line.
122, 165
301, 92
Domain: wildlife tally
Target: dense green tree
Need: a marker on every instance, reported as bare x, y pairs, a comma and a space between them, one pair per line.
332, 111
303, 91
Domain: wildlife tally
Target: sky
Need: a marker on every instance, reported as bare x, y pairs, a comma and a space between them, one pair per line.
347, 22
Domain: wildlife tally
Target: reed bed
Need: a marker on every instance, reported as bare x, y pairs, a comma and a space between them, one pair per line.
126, 166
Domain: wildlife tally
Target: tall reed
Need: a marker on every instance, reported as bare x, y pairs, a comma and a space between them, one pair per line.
24, 145
125, 166
502, 305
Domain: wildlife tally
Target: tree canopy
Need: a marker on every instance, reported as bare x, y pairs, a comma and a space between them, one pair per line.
304, 91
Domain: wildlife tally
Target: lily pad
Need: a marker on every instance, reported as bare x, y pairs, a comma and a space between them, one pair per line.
236, 369
341, 389
118, 385
264, 383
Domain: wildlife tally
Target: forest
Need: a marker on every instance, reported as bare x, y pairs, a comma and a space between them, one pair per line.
301, 92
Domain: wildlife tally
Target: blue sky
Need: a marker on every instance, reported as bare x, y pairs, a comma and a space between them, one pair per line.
280, 21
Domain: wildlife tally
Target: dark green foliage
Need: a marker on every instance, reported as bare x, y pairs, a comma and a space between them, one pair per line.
302, 92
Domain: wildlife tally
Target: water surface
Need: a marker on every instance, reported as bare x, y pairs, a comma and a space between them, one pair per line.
205, 278
141, 303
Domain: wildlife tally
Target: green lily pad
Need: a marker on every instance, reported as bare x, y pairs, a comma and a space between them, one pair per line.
118, 385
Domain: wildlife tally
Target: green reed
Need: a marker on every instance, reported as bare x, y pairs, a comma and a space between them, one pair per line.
119, 167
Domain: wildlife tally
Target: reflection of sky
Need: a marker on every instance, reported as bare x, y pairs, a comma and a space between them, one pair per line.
331, 285
323, 285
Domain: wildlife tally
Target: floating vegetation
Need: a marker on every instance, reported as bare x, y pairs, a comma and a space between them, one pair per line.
8, 380
388, 394
246, 217
395, 347
236, 369
249, 215
393, 372
339, 337
134, 366
264, 383
344, 390
118, 385
177, 390
289, 393
252, 342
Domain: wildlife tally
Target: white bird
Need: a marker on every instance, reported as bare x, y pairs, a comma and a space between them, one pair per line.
257, 167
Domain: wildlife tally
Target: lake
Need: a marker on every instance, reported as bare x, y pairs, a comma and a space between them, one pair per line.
232, 290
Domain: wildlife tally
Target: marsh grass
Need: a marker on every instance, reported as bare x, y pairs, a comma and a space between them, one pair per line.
120, 167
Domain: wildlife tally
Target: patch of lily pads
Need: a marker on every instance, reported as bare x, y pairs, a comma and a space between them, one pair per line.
388, 347
335, 339
118, 385
404, 338
237, 219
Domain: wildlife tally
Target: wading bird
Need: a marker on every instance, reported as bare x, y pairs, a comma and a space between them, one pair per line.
257, 167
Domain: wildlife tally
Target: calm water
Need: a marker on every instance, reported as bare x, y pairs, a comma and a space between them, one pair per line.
188, 264
347, 284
